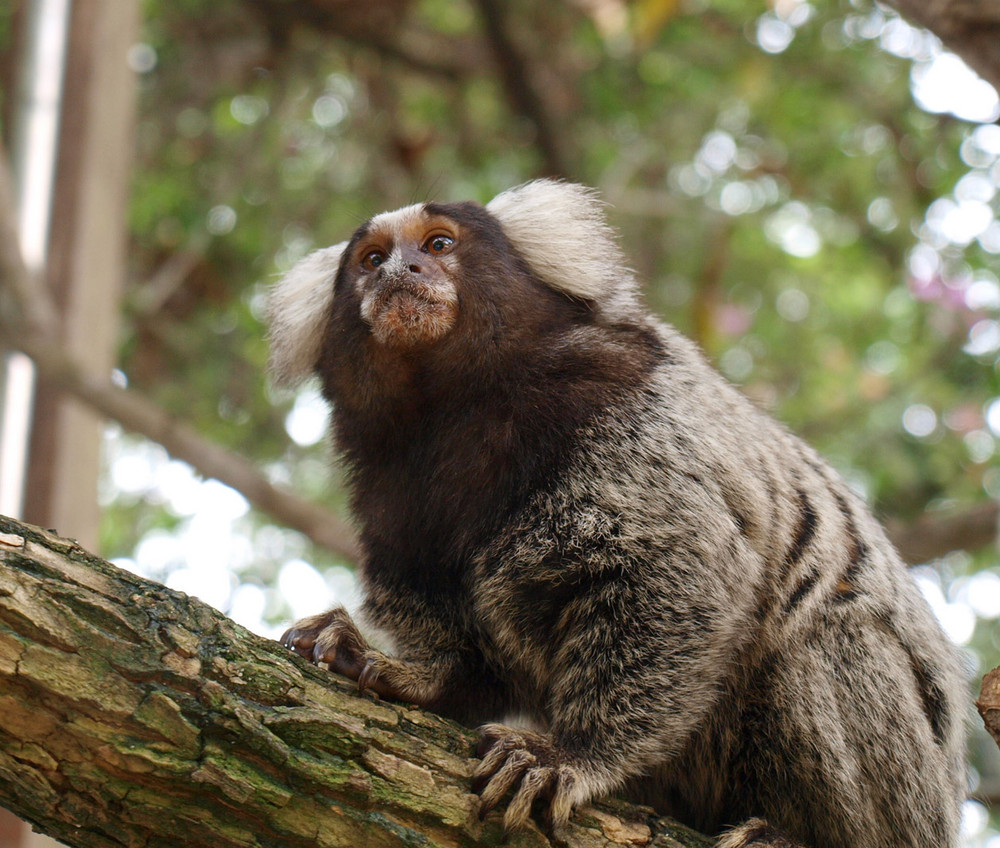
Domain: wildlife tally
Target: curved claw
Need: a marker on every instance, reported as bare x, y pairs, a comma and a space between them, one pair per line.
299, 641
366, 679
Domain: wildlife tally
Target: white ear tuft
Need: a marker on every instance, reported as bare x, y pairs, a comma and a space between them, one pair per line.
560, 231
297, 311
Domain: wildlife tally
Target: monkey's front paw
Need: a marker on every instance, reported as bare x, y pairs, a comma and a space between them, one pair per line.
331, 638
529, 764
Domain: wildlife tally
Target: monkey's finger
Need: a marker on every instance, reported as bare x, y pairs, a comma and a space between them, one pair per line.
563, 796
489, 735
518, 762
301, 636
536, 783
293, 635
493, 760
347, 663
339, 639
324, 649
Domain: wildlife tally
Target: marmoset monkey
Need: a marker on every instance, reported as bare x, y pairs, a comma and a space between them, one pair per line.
566, 513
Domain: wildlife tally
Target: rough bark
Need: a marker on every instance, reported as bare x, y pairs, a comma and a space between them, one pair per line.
131, 714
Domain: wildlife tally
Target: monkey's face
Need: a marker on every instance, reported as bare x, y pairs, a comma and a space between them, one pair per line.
403, 268
458, 287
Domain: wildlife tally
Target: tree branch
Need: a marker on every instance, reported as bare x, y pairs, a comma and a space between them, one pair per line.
169, 277
934, 535
970, 29
156, 721
380, 29
988, 703
139, 415
182, 441
523, 93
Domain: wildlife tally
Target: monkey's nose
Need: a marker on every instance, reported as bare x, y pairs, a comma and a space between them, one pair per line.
403, 261
411, 259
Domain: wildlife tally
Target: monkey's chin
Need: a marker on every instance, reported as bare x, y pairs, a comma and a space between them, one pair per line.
406, 319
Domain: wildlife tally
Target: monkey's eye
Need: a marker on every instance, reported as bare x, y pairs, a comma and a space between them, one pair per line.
372, 260
437, 245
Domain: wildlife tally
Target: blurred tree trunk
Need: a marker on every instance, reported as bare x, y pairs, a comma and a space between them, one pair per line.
133, 714
86, 259
85, 265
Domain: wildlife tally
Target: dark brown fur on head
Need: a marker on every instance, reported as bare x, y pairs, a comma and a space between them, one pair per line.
445, 432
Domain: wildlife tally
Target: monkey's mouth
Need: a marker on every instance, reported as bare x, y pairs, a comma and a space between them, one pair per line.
404, 314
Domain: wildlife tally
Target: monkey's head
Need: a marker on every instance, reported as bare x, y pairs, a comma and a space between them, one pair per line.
450, 277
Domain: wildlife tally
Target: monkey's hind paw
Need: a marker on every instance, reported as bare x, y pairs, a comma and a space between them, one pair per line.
755, 833
530, 765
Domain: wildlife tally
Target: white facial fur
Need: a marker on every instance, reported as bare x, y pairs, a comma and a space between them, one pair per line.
560, 231
398, 220
297, 311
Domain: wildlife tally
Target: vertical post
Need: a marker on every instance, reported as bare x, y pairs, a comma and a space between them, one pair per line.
34, 144
86, 258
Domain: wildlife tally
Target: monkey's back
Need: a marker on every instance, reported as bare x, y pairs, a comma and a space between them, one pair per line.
838, 710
